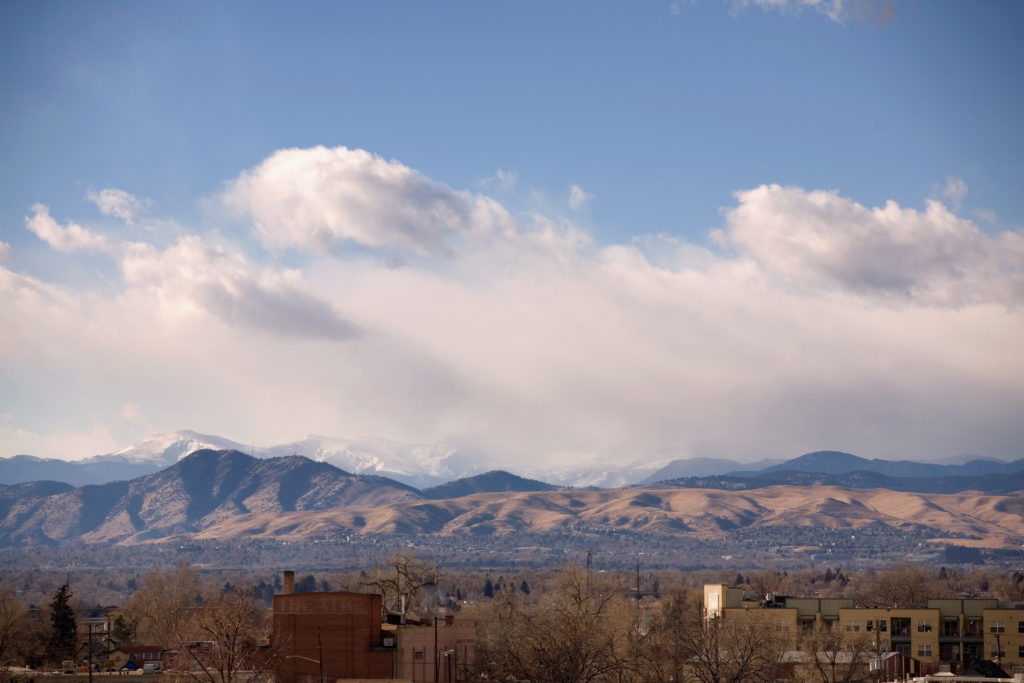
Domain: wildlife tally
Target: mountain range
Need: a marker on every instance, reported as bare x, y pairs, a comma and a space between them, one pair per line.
427, 466
228, 495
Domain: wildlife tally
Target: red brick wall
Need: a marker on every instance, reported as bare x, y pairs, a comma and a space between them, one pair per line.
343, 630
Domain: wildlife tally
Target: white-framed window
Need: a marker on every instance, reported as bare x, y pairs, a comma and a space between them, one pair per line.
853, 625
998, 652
997, 627
924, 650
924, 625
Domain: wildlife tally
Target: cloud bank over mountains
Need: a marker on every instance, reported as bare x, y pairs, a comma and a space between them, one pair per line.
333, 291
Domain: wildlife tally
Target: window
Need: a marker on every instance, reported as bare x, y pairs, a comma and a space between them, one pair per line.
951, 627
924, 650
1020, 627
852, 625
997, 627
881, 625
924, 625
1020, 651
869, 625
806, 625
998, 652
781, 625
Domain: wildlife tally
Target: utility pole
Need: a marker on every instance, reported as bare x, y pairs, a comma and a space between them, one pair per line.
435, 651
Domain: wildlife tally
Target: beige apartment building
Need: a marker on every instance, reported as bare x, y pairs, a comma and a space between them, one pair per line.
947, 632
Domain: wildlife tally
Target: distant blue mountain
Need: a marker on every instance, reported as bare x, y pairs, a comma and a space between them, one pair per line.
837, 462
25, 468
703, 467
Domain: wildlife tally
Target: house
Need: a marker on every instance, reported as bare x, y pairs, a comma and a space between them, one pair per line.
132, 656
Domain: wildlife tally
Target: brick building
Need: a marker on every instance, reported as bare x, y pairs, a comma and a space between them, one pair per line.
330, 636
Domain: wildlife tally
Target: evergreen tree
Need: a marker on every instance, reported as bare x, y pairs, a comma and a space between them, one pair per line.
62, 618
122, 631
307, 584
524, 587
488, 589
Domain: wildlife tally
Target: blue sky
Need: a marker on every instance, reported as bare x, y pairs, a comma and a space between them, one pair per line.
644, 146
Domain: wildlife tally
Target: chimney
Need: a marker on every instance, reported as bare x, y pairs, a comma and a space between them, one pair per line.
289, 582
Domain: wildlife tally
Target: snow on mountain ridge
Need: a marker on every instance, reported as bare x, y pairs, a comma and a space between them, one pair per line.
167, 448
419, 465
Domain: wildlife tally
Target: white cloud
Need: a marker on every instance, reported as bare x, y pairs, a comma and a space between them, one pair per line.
836, 10
66, 239
62, 443
502, 179
578, 198
131, 412
824, 324
312, 198
955, 191
821, 238
986, 215
114, 202
195, 275
675, 8
5, 252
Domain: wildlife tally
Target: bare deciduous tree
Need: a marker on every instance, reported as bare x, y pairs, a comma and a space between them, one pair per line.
836, 655
407, 584
732, 650
580, 630
901, 586
769, 582
12, 618
163, 603
224, 640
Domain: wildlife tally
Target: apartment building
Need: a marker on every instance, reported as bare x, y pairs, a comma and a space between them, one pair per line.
944, 632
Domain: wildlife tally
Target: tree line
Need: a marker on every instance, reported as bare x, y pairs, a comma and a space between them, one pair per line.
573, 624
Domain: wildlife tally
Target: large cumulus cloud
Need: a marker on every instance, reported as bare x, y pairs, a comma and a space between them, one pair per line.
315, 198
931, 256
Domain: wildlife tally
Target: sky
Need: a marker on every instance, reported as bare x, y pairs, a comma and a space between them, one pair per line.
547, 232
